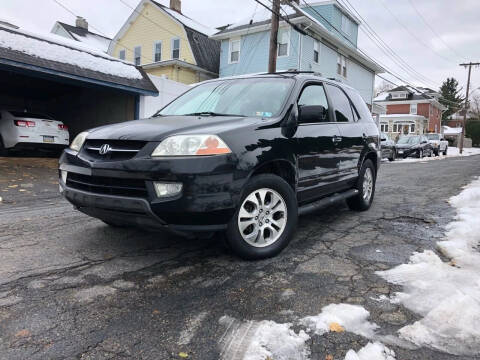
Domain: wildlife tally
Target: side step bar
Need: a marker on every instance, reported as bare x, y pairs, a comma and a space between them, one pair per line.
308, 208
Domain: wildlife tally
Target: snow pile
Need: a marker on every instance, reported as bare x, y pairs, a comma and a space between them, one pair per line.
260, 340
371, 351
352, 318
447, 295
185, 20
62, 51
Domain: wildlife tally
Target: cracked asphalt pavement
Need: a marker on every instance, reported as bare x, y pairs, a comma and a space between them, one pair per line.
72, 287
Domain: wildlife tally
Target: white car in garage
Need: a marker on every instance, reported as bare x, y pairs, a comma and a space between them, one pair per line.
29, 130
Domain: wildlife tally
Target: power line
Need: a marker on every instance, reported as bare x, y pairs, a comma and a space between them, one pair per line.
433, 30
379, 42
413, 34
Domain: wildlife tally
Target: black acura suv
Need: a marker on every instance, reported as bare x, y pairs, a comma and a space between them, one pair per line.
243, 155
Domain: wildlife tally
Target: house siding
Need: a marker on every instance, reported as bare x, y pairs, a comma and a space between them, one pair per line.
329, 15
254, 59
254, 53
151, 26
434, 119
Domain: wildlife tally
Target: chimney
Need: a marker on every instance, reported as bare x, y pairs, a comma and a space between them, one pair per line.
176, 5
81, 23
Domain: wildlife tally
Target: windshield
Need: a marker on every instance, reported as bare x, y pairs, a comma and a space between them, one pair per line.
409, 140
262, 97
433, 137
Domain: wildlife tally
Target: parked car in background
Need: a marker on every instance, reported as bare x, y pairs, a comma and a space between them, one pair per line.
388, 147
439, 144
414, 145
29, 130
261, 151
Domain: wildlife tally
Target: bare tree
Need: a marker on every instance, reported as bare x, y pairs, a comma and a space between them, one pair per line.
474, 108
383, 87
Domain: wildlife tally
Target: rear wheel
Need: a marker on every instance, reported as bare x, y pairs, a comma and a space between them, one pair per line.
445, 152
3, 151
420, 154
366, 188
266, 219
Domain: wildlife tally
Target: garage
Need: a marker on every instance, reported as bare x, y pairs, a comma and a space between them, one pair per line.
69, 82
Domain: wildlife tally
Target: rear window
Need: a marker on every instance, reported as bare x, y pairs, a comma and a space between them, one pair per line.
433, 137
26, 114
359, 103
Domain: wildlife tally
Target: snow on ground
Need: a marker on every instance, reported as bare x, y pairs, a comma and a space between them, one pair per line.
371, 351
446, 294
452, 152
62, 51
260, 340
352, 318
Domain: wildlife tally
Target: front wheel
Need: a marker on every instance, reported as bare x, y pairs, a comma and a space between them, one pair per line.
264, 223
366, 188
420, 154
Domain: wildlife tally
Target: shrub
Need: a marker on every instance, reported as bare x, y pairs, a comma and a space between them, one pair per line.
472, 130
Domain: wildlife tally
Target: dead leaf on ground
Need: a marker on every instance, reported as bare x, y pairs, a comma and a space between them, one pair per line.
22, 333
183, 355
336, 327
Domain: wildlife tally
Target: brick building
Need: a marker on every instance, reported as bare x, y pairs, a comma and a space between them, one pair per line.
422, 102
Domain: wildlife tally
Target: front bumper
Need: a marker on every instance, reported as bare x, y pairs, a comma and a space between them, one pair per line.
211, 189
402, 152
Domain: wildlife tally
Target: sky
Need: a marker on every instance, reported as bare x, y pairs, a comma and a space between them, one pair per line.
434, 43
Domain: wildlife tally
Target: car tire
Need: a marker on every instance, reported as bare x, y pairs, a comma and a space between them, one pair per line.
420, 154
445, 152
393, 157
437, 152
249, 236
365, 186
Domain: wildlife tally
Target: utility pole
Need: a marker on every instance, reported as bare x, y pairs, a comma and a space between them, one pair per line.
470, 64
272, 59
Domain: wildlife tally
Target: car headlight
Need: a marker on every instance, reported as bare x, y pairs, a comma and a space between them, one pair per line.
77, 143
190, 145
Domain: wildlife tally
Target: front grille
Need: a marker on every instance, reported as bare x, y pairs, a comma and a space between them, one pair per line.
119, 149
107, 185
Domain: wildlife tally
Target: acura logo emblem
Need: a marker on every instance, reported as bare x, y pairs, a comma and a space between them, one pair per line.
104, 149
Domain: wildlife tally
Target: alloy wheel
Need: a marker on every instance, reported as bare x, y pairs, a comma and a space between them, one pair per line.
262, 217
367, 184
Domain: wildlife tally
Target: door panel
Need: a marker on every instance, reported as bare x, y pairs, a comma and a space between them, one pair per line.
317, 160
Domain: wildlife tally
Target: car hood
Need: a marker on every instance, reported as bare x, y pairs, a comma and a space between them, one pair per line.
157, 128
404, 146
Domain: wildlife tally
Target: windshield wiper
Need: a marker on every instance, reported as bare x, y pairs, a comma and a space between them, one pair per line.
211, 113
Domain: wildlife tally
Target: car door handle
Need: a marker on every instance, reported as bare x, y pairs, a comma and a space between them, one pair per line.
336, 139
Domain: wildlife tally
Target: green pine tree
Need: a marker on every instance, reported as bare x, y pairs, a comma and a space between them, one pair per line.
451, 98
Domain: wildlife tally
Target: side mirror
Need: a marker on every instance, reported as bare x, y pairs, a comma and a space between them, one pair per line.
312, 114
383, 139
442, 139
424, 142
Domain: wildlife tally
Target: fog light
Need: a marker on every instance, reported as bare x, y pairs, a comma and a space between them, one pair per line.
63, 174
167, 189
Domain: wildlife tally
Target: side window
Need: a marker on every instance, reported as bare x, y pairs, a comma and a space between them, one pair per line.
313, 105
340, 103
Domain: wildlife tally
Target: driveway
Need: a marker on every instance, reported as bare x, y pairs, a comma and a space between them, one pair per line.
72, 287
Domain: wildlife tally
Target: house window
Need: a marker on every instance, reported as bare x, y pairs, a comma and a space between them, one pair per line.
283, 42
342, 65
346, 25
234, 51
137, 55
175, 48
121, 54
157, 51
413, 109
384, 128
399, 95
412, 128
316, 51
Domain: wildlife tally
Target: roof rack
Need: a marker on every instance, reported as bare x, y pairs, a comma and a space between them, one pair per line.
294, 71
